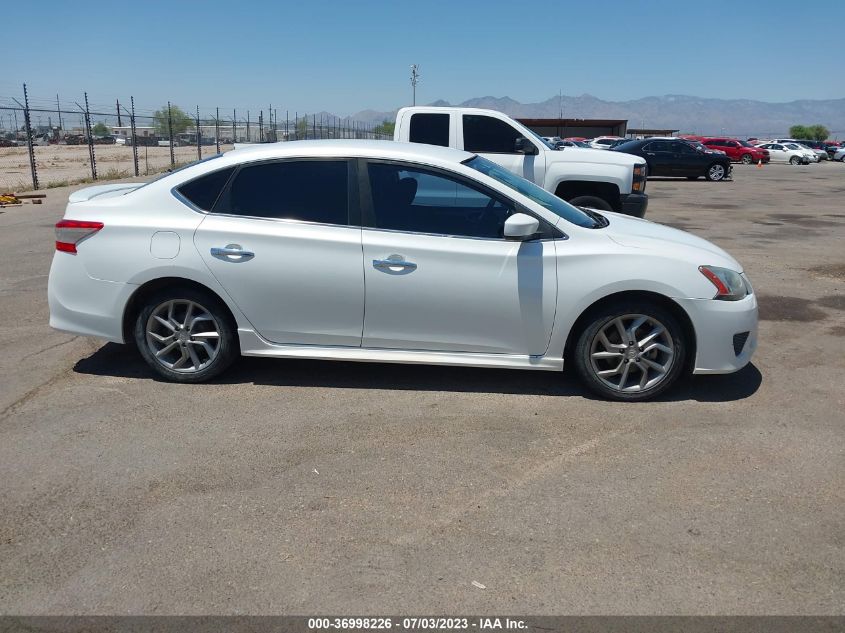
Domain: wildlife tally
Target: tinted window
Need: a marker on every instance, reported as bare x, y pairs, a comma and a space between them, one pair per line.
411, 199
313, 191
202, 192
659, 146
486, 134
683, 148
430, 128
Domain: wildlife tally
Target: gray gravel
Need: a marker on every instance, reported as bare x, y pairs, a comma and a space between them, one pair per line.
317, 487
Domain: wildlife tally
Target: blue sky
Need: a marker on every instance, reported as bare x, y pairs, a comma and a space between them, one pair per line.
348, 56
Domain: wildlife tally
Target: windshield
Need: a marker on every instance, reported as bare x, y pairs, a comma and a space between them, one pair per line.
541, 139
535, 193
792, 146
745, 144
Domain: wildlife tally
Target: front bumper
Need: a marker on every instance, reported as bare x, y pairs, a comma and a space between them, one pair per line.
722, 346
634, 204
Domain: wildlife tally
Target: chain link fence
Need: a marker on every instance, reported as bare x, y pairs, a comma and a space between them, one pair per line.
42, 146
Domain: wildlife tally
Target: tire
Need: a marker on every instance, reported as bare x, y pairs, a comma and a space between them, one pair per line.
795, 161
593, 202
630, 385
716, 172
170, 319
746, 159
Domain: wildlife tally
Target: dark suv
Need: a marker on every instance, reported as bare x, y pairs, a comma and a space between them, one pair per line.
677, 158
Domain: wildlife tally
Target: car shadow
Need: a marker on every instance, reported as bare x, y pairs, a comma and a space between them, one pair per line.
124, 362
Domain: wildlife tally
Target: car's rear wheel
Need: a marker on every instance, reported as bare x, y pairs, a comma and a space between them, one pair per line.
794, 161
716, 172
630, 351
747, 159
592, 202
185, 335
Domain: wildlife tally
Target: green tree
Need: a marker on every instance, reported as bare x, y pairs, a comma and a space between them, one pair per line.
181, 121
385, 128
818, 132
100, 129
799, 131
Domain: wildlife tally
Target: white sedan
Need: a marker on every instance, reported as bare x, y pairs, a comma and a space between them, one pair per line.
391, 252
788, 153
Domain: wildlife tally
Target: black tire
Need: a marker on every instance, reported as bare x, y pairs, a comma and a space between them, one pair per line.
592, 202
713, 173
795, 161
746, 159
604, 317
226, 350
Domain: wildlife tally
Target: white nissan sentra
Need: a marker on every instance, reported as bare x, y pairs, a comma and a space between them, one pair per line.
392, 252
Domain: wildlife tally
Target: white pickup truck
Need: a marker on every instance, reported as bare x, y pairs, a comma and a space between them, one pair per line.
609, 181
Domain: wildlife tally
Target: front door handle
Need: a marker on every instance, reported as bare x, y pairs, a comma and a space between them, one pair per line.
394, 263
231, 253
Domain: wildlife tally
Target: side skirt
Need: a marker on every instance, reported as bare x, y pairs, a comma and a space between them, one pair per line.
254, 345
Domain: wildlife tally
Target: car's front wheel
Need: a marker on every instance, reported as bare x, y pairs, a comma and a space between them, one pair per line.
716, 172
630, 351
794, 161
185, 335
747, 159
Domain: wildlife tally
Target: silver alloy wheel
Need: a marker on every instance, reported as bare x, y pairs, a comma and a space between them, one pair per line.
183, 336
794, 160
717, 172
746, 159
631, 353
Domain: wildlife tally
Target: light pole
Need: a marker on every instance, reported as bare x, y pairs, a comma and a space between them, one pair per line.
415, 77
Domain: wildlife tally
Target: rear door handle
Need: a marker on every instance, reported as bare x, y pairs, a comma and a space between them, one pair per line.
231, 253
392, 262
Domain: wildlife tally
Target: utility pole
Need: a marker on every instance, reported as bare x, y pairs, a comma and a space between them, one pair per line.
117, 106
59, 111
415, 77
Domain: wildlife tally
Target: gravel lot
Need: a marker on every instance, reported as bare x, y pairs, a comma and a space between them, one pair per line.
318, 487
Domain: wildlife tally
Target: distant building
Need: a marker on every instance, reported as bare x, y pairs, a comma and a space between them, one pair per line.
586, 128
635, 132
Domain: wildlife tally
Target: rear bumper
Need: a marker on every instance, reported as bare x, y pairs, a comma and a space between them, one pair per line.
634, 204
80, 304
725, 333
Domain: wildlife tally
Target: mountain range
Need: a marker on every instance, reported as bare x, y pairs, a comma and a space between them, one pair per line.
736, 117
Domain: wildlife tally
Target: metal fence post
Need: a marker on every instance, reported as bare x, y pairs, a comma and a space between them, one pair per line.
32, 166
217, 130
90, 139
134, 135
199, 136
234, 126
170, 135
248, 139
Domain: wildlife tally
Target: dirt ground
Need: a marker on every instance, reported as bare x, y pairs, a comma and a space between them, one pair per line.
63, 164
327, 487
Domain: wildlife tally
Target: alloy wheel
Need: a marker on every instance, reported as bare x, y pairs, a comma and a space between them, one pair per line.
717, 172
183, 336
632, 353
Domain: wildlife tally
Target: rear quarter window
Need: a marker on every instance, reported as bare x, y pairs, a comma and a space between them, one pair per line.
203, 192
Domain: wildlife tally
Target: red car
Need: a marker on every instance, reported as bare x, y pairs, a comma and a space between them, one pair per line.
738, 151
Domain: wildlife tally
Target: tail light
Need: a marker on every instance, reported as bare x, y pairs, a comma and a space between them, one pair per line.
69, 233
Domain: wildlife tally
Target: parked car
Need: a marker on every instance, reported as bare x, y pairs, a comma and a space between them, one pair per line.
435, 256
584, 177
738, 151
839, 154
787, 153
603, 142
815, 156
677, 158
5, 142
819, 147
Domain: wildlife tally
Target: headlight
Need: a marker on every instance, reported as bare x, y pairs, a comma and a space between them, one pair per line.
730, 285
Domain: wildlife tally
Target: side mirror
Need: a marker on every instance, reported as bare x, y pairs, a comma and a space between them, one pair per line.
522, 145
521, 226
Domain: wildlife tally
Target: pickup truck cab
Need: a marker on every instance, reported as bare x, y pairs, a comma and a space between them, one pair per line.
607, 181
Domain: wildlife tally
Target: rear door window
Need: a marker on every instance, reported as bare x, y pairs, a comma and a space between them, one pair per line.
305, 190
430, 128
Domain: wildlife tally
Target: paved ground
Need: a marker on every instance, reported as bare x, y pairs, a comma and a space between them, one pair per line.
301, 487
